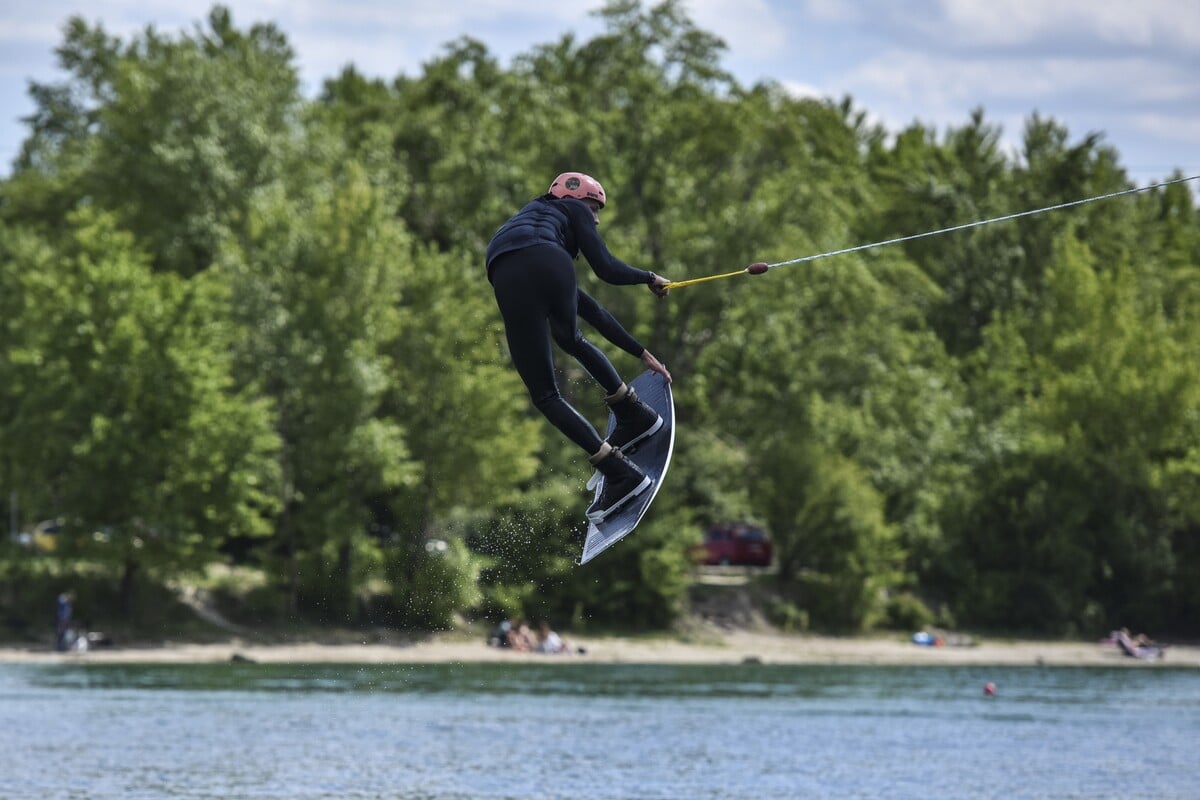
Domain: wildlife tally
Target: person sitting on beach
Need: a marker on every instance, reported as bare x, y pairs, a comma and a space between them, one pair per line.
549, 641
499, 635
1139, 646
520, 638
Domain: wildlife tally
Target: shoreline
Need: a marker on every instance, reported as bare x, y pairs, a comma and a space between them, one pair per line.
734, 647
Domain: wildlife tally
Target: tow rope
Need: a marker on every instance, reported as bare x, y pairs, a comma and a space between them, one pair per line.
760, 267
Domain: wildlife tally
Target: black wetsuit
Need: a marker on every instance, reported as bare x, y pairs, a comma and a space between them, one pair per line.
531, 265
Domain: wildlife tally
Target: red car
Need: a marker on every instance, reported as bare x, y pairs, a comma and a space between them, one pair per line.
735, 543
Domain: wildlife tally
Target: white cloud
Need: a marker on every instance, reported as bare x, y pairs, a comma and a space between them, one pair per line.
944, 81
1182, 128
832, 10
1123, 99
961, 26
799, 89
385, 39
1131, 69
1128, 70
29, 31
422, 15
750, 28
382, 37
1114, 22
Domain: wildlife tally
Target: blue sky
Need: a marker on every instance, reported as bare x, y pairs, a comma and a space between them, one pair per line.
1130, 70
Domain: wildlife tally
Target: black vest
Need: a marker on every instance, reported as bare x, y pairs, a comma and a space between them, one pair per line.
541, 221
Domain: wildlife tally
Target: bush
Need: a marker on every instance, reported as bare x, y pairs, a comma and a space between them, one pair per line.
908, 613
786, 616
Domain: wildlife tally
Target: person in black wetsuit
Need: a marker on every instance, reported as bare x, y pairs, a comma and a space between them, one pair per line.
530, 264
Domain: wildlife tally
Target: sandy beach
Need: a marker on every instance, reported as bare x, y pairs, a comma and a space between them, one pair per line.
731, 647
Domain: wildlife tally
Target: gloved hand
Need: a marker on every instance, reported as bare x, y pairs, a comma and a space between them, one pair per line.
658, 285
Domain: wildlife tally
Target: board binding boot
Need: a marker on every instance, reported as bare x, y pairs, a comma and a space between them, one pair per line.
635, 419
623, 480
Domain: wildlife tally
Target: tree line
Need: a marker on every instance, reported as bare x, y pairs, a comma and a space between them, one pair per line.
250, 328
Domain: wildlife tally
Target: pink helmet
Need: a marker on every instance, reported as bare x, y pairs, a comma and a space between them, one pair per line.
578, 185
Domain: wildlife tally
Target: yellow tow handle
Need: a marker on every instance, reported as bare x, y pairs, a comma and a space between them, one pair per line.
754, 269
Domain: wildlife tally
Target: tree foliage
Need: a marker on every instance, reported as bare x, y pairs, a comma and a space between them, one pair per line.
244, 326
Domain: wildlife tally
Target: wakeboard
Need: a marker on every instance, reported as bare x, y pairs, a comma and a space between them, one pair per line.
652, 454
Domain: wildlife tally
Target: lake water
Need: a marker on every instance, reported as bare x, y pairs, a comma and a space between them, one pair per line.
594, 731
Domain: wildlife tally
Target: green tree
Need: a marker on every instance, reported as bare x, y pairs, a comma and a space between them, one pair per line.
314, 285
850, 412
1067, 525
123, 416
173, 136
195, 258
930, 186
468, 420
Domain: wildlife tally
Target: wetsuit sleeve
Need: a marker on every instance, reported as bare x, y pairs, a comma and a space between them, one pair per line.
598, 317
608, 267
